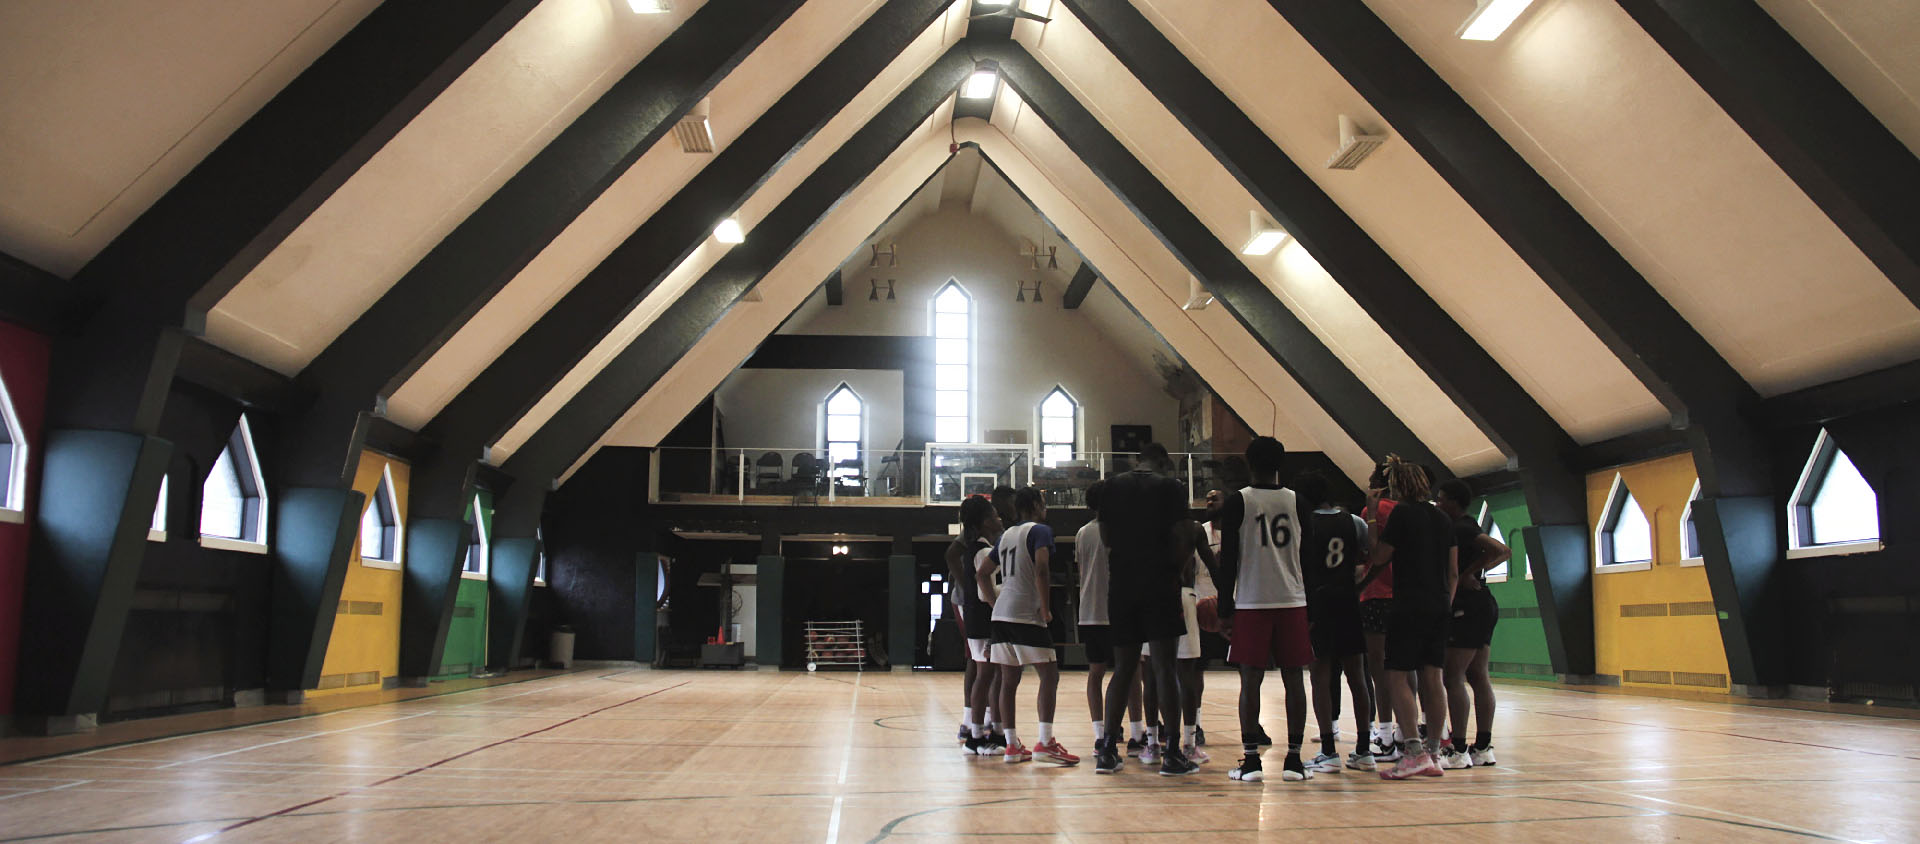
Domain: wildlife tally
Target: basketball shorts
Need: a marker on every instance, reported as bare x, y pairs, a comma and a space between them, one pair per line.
1189, 645
1334, 627
978, 650
1475, 612
1270, 638
1417, 639
1021, 644
1098, 639
1139, 613
1374, 614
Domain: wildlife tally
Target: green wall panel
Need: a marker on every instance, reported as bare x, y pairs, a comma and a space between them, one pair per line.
1519, 640
466, 651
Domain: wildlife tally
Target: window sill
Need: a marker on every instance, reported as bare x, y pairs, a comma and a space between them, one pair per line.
1838, 549
539, 582
1611, 568
373, 563
225, 544
1691, 562
10, 516
156, 535
1496, 578
469, 575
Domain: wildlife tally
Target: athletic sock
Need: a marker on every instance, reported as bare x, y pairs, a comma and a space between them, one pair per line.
979, 730
1046, 732
1187, 733
989, 716
1013, 738
1251, 750
1138, 731
1459, 743
966, 715
1153, 735
1482, 741
1293, 745
1099, 731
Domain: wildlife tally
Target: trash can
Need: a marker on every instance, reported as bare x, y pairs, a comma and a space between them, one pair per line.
560, 647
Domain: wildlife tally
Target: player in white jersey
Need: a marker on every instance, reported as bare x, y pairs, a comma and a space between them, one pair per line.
1260, 569
1018, 578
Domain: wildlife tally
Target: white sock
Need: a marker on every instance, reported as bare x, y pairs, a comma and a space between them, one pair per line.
1046, 732
979, 731
1013, 738
989, 716
1187, 731
1099, 731
966, 715
1153, 735
1139, 732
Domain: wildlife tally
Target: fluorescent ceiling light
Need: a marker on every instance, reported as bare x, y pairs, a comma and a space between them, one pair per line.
1267, 236
991, 4
650, 7
980, 85
729, 231
1491, 18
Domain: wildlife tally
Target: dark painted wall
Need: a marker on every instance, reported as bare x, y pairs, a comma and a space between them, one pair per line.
23, 366
595, 524
197, 631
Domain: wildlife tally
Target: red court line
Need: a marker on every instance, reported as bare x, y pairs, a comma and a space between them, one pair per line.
427, 767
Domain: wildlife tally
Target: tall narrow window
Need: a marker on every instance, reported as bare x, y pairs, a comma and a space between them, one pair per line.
540, 561
1499, 572
1690, 531
1059, 427
380, 524
478, 546
233, 501
952, 365
13, 451
845, 432
157, 529
1834, 509
1625, 537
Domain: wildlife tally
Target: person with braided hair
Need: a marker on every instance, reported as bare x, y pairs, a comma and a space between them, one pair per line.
1419, 540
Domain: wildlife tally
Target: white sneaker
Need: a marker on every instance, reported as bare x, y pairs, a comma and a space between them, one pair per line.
1361, 761
1483, 757
1325, 763
1454, 760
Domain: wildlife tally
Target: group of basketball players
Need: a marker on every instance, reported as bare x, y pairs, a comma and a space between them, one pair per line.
1394, 598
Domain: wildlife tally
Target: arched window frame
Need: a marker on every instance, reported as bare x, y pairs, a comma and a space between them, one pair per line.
944, 419
157, 529
479, 558
1690, 532
253, 488
827, 439
1499, 573
1800, 524
1619, 500
13, 496
383, 505
1040, 417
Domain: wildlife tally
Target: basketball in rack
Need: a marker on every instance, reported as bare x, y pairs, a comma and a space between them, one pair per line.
836, 644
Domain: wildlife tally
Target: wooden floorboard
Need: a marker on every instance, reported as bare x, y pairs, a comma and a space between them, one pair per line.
644, 755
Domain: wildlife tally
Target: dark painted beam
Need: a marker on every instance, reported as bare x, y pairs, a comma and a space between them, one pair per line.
457, 277
516, 553
1080, 286
1665, 352
547, 350
1354, 407
1862, 176
254, 386
33, 297
588, 415
835, 295
1881, 388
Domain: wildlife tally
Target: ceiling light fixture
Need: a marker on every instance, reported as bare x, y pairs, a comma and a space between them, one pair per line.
729, 231
695, 131
874, 295
650, 7
1267, 235
1022, 295
1197, 296
981, 84
1491, 18
892, 252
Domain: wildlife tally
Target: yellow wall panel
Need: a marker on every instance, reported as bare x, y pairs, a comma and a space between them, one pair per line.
1667, 635
364, 641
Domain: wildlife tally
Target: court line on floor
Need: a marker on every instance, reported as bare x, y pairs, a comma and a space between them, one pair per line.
311, 803
846, 759
294, 739
44, 790
1731, 735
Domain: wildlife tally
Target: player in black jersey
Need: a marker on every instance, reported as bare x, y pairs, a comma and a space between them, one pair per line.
980, 528
1335, 544
1470, 636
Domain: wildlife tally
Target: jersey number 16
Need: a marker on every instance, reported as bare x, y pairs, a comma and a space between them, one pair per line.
1277, 533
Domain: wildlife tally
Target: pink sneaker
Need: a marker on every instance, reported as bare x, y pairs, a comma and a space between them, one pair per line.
1052, 752
1194, 753
1017, 752
1421, 765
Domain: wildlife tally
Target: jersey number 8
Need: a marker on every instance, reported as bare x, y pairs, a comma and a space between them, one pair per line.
1277, 533
1336, 552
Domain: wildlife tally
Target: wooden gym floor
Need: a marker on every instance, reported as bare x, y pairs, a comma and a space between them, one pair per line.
640, 755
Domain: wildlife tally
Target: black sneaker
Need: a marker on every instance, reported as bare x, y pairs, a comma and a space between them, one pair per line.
1293, 770
1133, 747
1247, 771
1261, 738
1199, 736
1173, 763
1107, 758
965, 733
972, 747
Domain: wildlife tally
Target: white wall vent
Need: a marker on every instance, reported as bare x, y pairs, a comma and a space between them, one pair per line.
1355, 146
694, 130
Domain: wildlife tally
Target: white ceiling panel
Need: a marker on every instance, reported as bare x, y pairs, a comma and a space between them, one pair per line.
790, 53
108, 103
489, 123
1872, 48
1652, 162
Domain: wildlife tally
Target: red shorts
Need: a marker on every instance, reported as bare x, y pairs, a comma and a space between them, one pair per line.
1272, 638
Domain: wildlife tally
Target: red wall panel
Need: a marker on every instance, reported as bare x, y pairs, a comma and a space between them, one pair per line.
23, 366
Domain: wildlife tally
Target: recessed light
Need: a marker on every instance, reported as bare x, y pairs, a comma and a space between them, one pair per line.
1267, 235
650, 7
729, 231
980, 85
1491, 18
